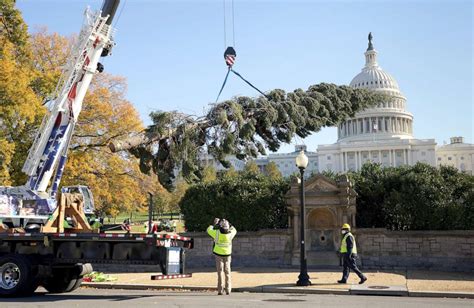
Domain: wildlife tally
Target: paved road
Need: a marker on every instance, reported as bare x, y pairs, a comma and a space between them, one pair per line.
126, 298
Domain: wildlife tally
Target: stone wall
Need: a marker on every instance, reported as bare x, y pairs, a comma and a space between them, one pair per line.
437, 250
378, 248
262, 248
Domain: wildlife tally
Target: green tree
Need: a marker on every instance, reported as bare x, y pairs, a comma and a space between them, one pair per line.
419, 197
330, 174
243, 127
371, 189
249, 201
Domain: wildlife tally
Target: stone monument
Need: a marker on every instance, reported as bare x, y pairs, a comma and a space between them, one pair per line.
329, 204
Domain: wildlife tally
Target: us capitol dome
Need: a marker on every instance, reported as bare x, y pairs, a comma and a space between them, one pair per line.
389, 119
381, 134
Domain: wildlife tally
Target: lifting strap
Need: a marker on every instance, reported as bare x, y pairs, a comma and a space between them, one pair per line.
229, 57
223, 84
248, 82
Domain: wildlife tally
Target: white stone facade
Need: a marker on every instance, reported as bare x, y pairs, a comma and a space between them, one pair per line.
286, 162
457, 154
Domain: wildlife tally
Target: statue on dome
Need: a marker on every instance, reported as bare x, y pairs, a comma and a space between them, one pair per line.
371, 47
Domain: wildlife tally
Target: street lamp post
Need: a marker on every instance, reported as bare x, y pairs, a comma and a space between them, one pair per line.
303, 278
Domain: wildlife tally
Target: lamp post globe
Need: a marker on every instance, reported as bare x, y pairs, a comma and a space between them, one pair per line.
303, 278
301, 160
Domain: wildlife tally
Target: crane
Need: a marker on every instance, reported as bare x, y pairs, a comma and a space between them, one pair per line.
33, 202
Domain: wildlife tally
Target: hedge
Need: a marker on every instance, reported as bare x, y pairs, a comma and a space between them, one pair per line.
249, 201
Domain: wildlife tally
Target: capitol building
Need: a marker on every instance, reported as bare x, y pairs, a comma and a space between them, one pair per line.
382, 134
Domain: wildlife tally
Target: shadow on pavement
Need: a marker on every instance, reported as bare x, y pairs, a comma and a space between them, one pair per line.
39, 297
290, 285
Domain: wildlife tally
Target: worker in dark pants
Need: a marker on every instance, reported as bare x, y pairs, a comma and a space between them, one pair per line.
349, 255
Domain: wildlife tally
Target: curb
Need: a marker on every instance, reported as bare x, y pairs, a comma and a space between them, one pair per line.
126, 286
269, 289
260, 289
441, 294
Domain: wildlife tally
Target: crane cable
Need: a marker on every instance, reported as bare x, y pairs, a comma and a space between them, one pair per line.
230, 55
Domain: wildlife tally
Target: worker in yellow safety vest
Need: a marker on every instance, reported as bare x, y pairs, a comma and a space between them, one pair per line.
348, 251
222, 233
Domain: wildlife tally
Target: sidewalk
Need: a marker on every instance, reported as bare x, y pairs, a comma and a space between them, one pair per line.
277, 280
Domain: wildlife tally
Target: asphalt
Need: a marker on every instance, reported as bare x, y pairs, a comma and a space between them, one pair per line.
88, 297
277, 280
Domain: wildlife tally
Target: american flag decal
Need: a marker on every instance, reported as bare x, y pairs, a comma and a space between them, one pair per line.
50, 152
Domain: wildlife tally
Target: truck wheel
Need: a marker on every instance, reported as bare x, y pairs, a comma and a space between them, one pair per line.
62, 281
76, 285
17, 276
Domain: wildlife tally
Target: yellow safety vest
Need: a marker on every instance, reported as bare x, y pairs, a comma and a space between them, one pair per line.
222, 241
344, 243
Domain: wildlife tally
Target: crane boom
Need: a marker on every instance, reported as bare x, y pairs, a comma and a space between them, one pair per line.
47, 156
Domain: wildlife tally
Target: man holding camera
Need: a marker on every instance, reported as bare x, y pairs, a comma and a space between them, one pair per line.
222, 233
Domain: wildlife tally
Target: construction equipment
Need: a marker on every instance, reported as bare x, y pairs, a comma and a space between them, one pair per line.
33, 202
35, 248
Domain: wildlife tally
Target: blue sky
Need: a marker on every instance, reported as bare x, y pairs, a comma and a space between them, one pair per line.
171, 52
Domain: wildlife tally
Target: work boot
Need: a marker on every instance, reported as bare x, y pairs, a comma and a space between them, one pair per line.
341, 281
362, 280
219, 293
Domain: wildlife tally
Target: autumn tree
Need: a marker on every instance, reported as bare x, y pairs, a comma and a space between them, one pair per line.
161, 201
20, 108
14, 30
115, 180
49, 54
30, 67
209, 174
251, 167
177, 194
229, 173
272, 171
